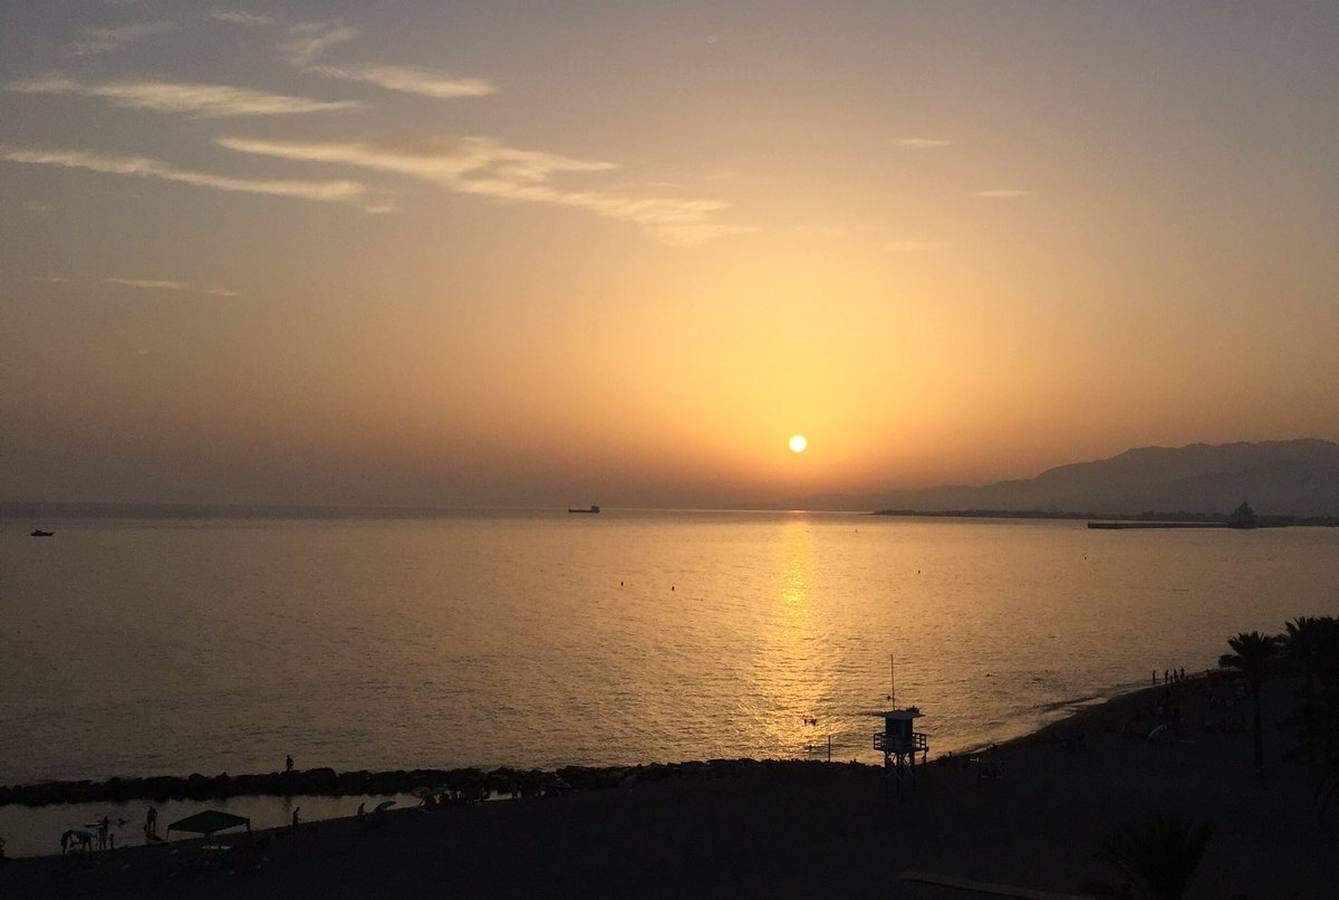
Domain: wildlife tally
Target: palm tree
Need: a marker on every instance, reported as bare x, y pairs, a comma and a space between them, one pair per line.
1161, 853
1305, 643
1252, 655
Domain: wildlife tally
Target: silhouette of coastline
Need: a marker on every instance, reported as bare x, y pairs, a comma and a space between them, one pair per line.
1128, 520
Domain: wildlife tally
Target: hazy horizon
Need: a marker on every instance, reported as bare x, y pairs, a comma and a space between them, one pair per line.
319, 254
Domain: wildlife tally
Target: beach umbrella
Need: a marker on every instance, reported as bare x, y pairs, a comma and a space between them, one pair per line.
208, 822
384, 805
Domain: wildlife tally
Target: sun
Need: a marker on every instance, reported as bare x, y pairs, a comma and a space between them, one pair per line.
798, 443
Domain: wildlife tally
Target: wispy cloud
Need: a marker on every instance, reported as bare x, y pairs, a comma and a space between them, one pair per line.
147, 284
350, 192
917, 143
154, 284
411, 80
1003, 194
92, 41
309, 41
913, 246
49, 279
241, 17
488, 168
209, 101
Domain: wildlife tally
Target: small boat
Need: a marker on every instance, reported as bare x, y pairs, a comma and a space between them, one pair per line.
37, 532
593, 509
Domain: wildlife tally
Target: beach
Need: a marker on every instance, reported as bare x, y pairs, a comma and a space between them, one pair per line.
741, 828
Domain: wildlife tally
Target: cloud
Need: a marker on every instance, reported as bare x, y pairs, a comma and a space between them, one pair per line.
1003, 194
91, 41
350, 192
913, 246
312, 39
410, 80
488, 168
241, 17
146, 284
150, 284
49, 279
915, 143
206, 101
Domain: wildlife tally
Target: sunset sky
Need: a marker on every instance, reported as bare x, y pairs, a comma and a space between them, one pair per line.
529, 253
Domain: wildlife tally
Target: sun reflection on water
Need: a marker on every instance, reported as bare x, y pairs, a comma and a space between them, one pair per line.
792, 675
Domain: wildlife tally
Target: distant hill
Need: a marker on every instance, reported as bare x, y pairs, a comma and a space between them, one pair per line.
1279, 478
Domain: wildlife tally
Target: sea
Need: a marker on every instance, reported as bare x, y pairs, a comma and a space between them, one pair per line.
541, 639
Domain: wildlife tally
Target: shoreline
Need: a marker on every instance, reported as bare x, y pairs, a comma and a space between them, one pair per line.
1034, 813
327, 782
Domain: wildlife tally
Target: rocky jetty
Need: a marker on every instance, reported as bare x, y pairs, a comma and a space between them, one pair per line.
329, 783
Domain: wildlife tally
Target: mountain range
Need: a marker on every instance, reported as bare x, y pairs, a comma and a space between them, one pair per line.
1278, 478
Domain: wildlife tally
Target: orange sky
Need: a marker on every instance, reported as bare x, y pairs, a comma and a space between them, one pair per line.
620, 253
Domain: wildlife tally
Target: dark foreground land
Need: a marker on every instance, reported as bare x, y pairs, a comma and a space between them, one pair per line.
804, 829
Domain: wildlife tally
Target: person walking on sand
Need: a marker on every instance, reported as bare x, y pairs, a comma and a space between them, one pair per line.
297, 820
288, 763
104, 824
151, 823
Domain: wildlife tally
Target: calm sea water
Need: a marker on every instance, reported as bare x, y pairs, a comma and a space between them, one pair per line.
168, 647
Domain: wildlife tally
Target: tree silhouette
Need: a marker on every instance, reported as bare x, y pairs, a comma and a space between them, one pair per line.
1252, 655
1305, 642
1161, 853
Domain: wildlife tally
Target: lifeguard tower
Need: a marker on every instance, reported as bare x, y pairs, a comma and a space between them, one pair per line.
900, 742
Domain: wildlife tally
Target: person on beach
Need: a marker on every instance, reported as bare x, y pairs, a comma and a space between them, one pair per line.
288, 763
151, 823
103, 825
362, 814
297, 820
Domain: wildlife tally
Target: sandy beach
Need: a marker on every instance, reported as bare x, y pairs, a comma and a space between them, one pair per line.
808, 829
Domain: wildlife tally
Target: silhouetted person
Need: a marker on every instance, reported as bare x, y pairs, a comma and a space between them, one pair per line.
1166, 677
288, 763
65, 840
151, 822
1183, 673
103, 825
297, 820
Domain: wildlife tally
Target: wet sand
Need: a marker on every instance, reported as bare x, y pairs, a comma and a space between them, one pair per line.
804, 829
